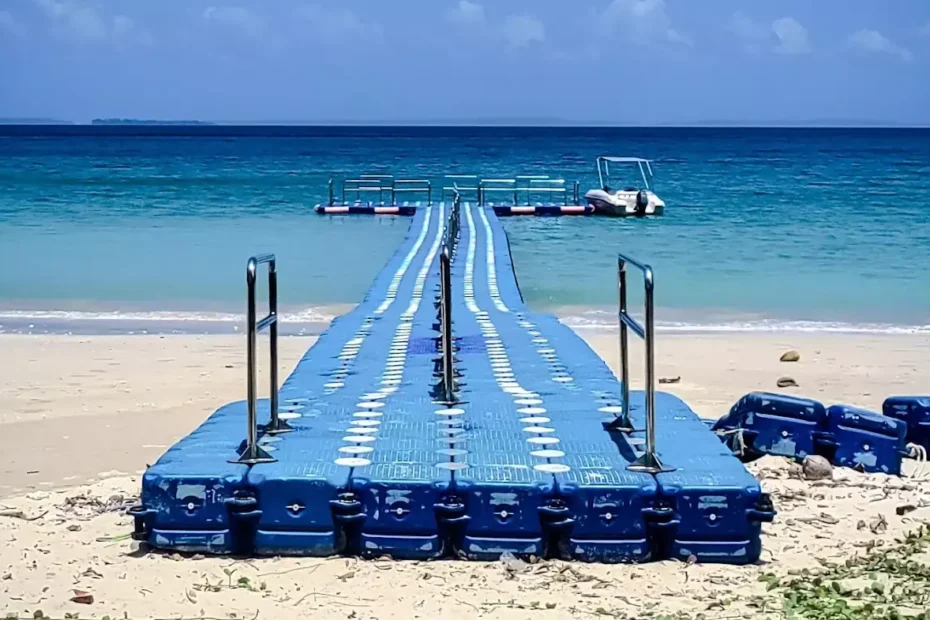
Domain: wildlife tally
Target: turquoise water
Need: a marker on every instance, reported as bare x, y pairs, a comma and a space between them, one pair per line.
122, 228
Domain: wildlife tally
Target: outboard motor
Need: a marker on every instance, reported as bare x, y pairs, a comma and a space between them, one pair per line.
642, 202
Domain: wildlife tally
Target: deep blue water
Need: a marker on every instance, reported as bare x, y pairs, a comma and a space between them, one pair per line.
765, 228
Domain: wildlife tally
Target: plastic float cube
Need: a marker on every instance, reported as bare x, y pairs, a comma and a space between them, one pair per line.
864, 440
914, 411
774, 424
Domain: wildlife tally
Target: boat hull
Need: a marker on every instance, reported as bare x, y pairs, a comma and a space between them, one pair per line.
622, 204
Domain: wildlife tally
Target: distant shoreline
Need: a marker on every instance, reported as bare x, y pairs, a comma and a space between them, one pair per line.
461, 124
131, 122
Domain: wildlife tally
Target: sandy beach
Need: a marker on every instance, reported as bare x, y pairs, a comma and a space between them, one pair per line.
74, 407
81, 417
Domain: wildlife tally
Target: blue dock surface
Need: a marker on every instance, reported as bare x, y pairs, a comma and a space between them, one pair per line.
525, 462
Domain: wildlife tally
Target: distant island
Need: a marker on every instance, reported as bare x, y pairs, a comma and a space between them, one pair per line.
135, 121
33, 121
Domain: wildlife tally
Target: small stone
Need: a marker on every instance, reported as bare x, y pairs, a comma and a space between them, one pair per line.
903, 510
667, 380
784, 382
74, 527
816, 467
229, 366
790, 356
82, 597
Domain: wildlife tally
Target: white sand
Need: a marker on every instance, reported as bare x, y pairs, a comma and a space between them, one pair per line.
71, 408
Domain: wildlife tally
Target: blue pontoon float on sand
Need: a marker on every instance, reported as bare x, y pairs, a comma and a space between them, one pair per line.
443, 418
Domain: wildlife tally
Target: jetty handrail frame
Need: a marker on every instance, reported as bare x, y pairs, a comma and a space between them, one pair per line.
253, 453
381, 183
528, 184
649, 461
445, 302
525, 183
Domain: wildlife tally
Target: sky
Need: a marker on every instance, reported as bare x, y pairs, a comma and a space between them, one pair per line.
598, 61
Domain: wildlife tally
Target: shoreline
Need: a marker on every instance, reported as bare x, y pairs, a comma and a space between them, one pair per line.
313, 321
74, 406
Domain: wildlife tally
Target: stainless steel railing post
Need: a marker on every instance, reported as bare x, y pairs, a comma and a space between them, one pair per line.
251, 447
275, 423
624, 422
253, 453
649, 461
652, 459
448, 379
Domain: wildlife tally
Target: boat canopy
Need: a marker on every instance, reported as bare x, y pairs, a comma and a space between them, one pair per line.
644, 165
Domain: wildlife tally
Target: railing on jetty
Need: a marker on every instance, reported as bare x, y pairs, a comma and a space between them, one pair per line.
649, 461
253, 453
524, 189
384, 185
446, 339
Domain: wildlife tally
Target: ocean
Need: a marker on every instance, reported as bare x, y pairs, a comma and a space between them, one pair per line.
126, 229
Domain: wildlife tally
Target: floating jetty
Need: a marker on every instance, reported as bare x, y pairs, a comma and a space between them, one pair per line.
383, 194
442, 418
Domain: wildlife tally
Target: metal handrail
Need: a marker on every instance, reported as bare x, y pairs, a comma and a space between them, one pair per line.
456, 188
384, 183
365, 183
253, 453
649, 461
415, 186
529, 183
445, 301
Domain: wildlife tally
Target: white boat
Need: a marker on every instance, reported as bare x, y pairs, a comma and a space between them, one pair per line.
633, 200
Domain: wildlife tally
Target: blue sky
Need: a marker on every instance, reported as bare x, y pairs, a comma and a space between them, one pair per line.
622, 61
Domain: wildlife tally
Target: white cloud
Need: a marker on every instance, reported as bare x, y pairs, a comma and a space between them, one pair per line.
238, 18
125, 29
752, 33
10, 26
784, 35
874, 42
466, 12
516, 31
642, 21
792, 36
81, 21
746, 28
84, 23
523, 30
338, 24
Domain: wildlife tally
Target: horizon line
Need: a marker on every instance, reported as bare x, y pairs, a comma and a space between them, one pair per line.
478, 123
